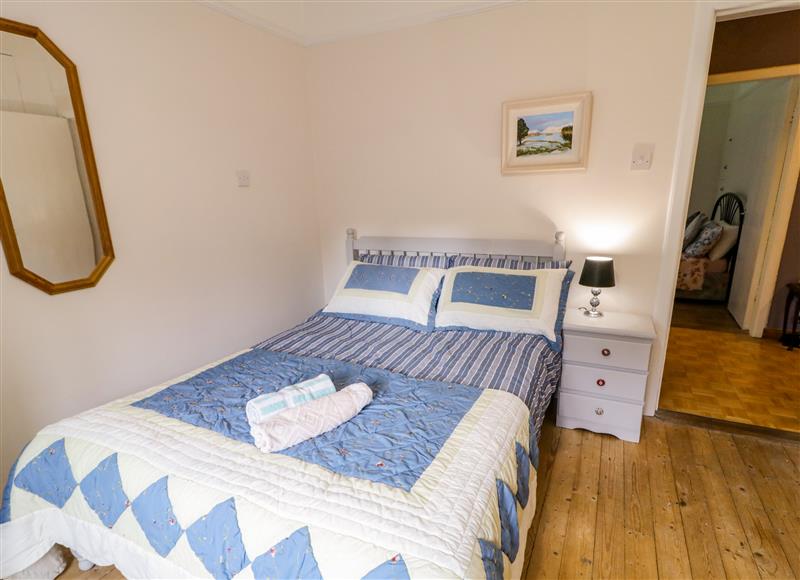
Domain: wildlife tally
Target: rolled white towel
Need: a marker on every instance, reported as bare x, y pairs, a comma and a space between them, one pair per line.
269, 404
297, 424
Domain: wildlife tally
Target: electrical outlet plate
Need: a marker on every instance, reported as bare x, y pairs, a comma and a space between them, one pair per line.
642, 157
243, 178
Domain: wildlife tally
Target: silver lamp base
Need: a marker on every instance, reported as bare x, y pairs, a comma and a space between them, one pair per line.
594, 303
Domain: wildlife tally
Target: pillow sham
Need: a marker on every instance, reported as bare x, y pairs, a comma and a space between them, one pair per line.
390, 294
704, 241
726, 241
540, 263
693, 228
405, 261
501, 299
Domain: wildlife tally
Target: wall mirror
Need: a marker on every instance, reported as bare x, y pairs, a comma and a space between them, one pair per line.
53, 223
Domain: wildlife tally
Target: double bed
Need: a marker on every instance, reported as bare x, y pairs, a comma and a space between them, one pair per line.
435, 478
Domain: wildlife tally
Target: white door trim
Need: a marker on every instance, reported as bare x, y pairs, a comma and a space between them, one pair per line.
776, 223
706, 15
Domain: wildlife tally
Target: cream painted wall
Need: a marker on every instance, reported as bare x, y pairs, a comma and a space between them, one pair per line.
395, 134
406, 132
178, 97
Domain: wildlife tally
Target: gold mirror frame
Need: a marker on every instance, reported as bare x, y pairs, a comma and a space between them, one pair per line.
7, 233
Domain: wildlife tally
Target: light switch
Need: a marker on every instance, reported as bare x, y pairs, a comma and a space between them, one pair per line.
243, 178
642, 156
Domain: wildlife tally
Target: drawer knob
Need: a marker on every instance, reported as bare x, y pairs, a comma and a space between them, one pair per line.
601, 383
599, 411
606, 352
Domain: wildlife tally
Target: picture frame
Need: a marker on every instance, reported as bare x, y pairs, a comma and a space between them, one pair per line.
546, 134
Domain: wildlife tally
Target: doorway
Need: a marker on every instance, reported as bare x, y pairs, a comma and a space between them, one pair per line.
724, 359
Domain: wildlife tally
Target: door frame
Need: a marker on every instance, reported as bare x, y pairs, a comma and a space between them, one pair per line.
781, 190
777, 225
706, 16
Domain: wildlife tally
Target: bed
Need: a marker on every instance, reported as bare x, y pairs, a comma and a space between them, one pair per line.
435, 478
702, 279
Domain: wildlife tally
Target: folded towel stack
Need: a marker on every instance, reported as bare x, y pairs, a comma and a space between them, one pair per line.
262, 408
295, 423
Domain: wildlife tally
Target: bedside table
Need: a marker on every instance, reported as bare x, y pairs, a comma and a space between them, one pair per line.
605, 366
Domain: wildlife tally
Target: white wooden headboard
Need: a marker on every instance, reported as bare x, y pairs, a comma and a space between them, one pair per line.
520, 249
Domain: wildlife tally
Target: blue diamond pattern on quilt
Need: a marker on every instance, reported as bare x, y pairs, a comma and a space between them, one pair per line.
392, 569
217, 541
153, 511
49, 475
289, 558
523, 475
102, 489
5, 509
509, 527
492, 560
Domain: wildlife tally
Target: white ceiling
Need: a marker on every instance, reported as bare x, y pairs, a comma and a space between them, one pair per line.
313, 21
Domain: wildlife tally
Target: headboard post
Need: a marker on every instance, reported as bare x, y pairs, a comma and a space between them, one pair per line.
560, 249
352, 236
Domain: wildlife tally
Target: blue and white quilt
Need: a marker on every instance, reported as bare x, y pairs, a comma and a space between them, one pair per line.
432, 479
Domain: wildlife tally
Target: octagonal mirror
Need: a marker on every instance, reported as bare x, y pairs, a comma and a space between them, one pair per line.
52, 220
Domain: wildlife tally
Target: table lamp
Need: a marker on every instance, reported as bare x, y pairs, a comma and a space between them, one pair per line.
598, 272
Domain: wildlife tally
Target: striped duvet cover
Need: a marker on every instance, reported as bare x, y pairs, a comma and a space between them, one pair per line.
524, 365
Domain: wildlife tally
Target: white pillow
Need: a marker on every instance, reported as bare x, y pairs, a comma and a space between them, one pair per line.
389, 294
524, 301
725, 242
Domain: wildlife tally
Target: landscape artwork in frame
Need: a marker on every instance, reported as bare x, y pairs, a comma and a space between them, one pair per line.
550, 134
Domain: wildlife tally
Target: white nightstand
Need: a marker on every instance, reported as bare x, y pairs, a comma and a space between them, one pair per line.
606, 361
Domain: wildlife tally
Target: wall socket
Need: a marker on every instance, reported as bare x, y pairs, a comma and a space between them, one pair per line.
243, 178
642, 156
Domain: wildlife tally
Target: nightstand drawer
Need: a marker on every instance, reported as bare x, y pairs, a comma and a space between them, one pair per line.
600, 381
607, 351
626, 416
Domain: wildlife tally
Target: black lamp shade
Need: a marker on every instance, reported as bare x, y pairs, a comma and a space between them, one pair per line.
598, 272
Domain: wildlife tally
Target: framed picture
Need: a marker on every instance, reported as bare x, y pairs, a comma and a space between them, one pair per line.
550, 134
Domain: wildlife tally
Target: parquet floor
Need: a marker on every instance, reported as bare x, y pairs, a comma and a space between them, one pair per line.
684, 502
731, 376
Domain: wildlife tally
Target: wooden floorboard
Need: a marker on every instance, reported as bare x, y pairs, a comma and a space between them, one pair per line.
671, 552
639, 553
609, 536
698, 529
734, 548
685, 502
760, 532
578, 556
548, 547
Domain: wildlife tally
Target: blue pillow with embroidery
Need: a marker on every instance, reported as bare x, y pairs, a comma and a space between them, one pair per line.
505, 300
388, 294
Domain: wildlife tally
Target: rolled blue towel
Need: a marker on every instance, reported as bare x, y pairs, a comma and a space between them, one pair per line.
263, 407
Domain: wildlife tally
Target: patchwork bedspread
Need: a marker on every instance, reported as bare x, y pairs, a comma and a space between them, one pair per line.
432, 479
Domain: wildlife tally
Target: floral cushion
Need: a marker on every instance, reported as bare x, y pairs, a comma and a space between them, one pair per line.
692, 273
704, 241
